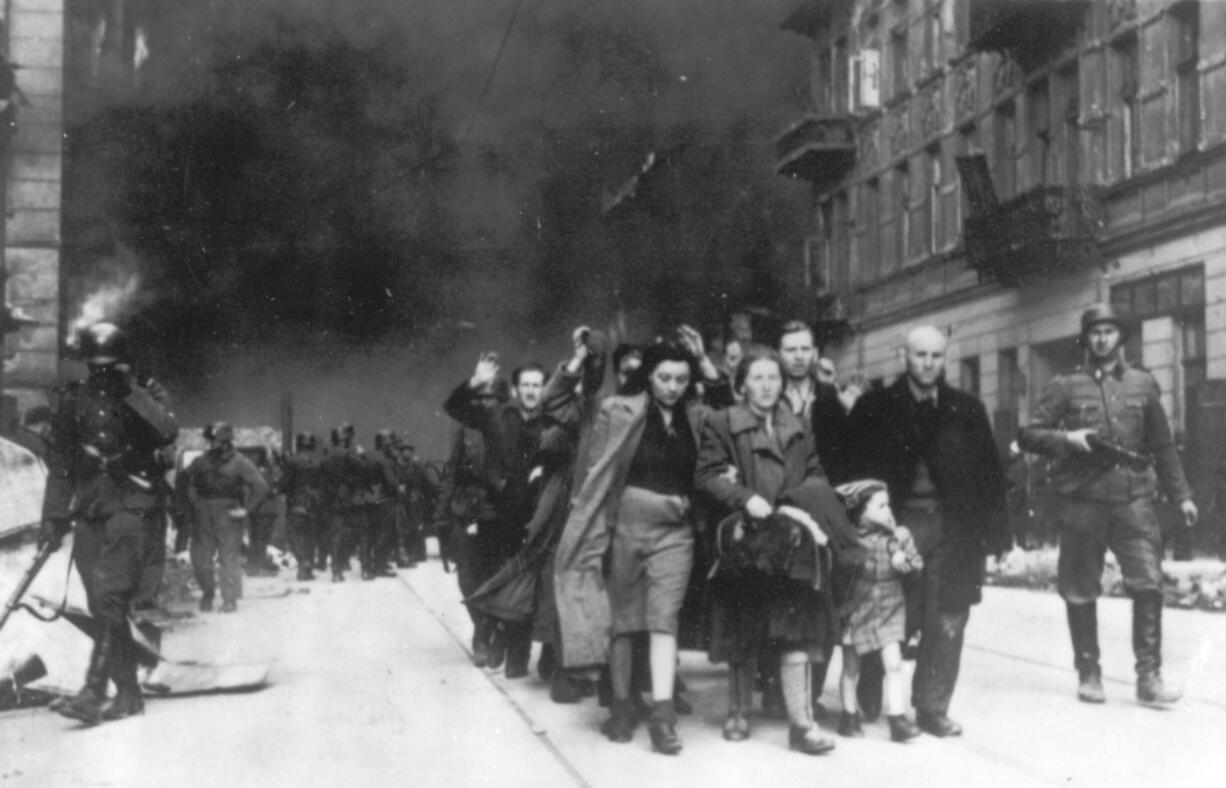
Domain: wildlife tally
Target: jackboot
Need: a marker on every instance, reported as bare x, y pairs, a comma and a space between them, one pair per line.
1083, 628
86, 705
128, 700
1147, 646
547, 662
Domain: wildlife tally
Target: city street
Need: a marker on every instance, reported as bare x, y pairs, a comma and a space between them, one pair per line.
372, 686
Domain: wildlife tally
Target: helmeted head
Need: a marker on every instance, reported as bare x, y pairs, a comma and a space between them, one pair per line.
103, 345
385, 439
343, 434
219, 434
1103, 331
304, 441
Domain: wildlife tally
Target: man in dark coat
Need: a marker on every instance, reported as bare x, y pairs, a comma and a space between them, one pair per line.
511, 434
933, 447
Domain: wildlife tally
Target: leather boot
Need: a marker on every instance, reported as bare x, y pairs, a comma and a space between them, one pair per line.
481, 643
1147, 646
902, 729
547, 662
1083, 629
497, 640
86, 705
662, 726
128, 699
519, 648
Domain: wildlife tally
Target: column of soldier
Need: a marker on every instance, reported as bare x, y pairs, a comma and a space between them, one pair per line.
749, 504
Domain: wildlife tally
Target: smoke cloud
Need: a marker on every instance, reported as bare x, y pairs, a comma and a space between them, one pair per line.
326, 197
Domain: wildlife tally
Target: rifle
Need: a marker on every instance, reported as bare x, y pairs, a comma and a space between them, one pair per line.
27, 579
1115, 454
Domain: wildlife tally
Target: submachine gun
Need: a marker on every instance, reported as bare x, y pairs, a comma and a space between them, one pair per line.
1113, 454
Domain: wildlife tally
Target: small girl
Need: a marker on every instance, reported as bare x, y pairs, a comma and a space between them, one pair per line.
874, 614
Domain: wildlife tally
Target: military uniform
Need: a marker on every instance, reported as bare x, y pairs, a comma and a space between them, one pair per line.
305, 525
221, 482
1104, 503
104, 474
344, 503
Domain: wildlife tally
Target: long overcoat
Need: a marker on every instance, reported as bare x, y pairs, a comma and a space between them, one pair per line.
965, 466
794, 476
581, 595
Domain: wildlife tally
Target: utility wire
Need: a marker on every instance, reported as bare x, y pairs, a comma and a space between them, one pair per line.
489, 79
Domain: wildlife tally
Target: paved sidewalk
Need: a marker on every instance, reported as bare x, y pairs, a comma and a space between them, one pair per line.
372, 686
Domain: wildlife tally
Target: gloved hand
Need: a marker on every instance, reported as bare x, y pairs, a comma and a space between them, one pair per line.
51, 533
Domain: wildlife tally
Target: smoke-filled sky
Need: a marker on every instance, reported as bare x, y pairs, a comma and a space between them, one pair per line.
347, 201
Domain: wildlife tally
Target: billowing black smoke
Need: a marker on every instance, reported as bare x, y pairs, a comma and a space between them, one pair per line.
304, 185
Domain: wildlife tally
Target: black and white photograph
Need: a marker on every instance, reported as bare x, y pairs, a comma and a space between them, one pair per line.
609, 393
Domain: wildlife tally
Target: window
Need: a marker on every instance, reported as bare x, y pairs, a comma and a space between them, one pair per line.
902, 199
1038, 127
870, 228
842, 77
969, 378
933, 32
1126, 146
1070, 143
1185, 20
898, 60
1004, 150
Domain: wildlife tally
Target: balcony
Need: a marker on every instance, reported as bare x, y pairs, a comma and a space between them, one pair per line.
1031, 30
820, 150
814, 17
1044, 232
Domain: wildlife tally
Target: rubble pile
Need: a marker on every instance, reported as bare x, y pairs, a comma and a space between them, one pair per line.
1199, 584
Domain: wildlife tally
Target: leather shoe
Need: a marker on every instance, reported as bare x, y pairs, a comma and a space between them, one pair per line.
938, 725
902, 729
664, 739
206, 603
849, 726
808, 741
736, 726
620, 725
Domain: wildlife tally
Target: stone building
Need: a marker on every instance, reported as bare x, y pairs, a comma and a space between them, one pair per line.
993, 166
31, 161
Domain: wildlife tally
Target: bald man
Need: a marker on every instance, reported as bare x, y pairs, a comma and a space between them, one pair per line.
933, 447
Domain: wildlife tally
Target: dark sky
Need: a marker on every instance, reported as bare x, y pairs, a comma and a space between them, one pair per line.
343, 200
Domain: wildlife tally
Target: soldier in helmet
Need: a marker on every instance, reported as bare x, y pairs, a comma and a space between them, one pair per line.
223, 487
1105, 427
104, 472
303, 486
384, 482
344, 496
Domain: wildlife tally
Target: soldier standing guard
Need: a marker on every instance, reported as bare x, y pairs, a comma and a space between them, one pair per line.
223, 486
103, 474
302, 483
1105, 427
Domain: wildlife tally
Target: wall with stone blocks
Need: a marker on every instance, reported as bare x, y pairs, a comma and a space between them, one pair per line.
32, 193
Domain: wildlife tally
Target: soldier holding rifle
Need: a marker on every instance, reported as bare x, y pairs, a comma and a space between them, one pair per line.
1105, 426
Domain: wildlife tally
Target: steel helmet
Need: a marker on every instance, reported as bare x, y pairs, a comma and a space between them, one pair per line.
1103, 313
103, 343
219, 431
385, 438
304, 441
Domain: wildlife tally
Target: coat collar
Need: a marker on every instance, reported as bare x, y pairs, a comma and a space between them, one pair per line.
788, 425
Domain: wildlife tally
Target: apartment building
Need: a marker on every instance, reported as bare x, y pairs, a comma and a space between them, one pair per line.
994, 166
